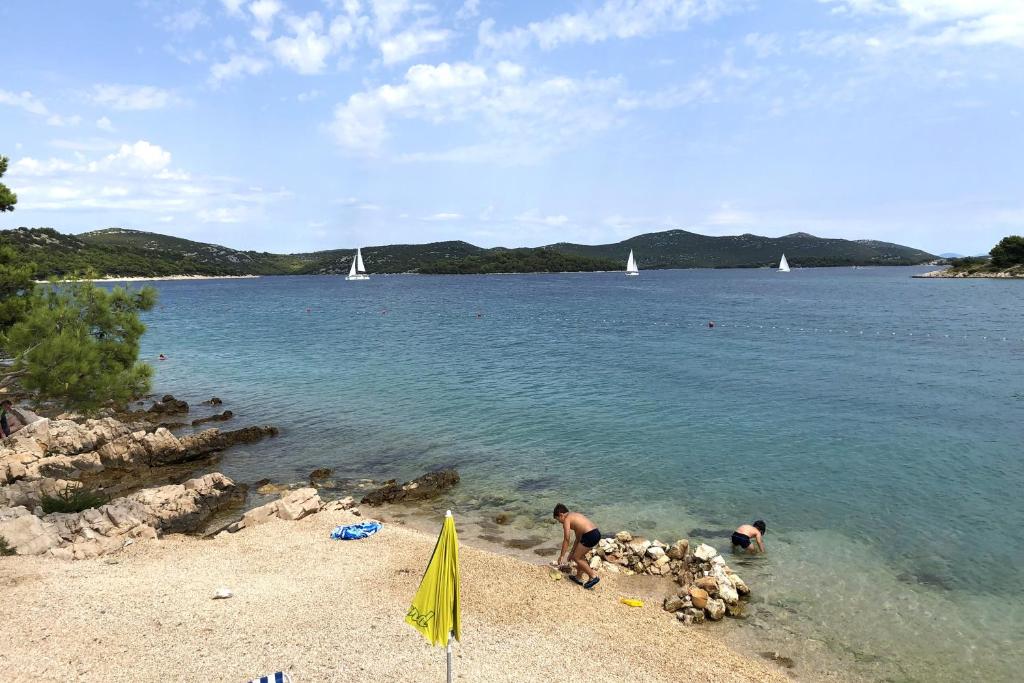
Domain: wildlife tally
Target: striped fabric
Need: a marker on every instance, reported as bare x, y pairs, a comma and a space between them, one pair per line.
279, 677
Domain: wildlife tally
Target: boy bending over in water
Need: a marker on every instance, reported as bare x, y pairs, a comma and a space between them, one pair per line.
587, 536
746, 533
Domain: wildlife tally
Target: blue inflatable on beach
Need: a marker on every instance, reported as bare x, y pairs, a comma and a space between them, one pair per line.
354, 532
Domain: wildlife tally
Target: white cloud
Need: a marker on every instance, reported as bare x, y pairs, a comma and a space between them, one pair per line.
307, 48
33, 105
945, 22
62, 121
727, 215
469, 9
24, 100
411, 43
443, 217
264, 11
233, 6
185, 21
520, 119
141, 156
388, 14
534, 217
237, 66
620, 19
136, 177
103, 123
133, 97
764, 45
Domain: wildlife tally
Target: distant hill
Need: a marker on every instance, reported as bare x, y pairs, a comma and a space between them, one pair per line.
682, 249
519, 261
124, 252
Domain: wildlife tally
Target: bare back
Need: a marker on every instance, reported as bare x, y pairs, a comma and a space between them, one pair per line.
578, 523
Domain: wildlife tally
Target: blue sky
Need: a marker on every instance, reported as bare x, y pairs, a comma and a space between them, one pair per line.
290, 126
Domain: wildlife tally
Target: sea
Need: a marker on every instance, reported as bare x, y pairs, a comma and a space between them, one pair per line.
873, 420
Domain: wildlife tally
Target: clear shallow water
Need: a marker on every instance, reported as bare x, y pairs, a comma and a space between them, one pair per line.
875, 422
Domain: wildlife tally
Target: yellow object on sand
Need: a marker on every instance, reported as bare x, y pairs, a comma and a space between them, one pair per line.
435, 607
632, 602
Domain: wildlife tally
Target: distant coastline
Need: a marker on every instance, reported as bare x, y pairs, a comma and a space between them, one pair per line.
134, 278
953, 273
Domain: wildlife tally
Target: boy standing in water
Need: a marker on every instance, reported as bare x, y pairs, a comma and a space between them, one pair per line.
746, 533
587, 536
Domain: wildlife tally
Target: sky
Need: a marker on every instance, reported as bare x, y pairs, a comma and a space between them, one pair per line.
291, 126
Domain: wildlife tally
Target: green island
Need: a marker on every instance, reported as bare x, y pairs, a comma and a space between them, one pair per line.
1006, 260
121, 252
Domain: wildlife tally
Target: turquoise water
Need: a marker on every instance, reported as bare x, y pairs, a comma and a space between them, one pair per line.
875, 421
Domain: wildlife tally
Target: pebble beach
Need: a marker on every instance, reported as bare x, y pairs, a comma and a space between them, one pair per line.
325, 610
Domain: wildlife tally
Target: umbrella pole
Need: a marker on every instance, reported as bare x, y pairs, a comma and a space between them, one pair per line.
450, 657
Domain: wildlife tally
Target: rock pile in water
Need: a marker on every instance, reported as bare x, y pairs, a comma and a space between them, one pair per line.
708, 588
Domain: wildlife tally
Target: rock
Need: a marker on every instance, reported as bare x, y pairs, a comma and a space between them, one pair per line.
699, 597
704, 552
715, 609
595, 562
221, 417
25, 533
503, 518
623, 537
780, 659
346, 503
428, 486
734, 611
655, 552
320, 473
168, 405
708, 583
677, 551
684, 617
697, 615
271, 488
739, 585
725, 589
298, 504
222, 594
213, 402
673, 603
639, 546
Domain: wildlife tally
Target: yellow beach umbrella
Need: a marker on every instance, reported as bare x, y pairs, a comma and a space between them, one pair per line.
435, 607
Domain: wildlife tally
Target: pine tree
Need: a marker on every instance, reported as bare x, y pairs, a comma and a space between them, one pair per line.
7, 198
78, 345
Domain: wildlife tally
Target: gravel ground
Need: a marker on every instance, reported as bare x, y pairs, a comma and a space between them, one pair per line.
326, 610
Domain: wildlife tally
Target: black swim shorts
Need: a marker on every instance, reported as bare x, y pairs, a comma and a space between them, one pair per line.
590, 539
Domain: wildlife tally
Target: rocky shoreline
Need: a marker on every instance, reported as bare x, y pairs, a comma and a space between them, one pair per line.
79, 488
1016, 273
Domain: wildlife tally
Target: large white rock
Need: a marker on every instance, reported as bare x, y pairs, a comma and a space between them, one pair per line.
654, 552
704, 552
26, 533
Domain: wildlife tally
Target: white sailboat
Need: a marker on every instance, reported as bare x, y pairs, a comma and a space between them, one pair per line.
783, 265
357, 271
631, 268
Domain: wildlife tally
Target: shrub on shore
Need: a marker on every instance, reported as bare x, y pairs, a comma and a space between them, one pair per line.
72, 499
5, 549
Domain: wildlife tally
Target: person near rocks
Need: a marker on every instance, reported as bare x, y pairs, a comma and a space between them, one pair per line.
746, 533
4, 426
587, 535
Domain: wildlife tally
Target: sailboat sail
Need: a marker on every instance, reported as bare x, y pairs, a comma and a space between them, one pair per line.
631, 268
783, 265
359, 261
352, 269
